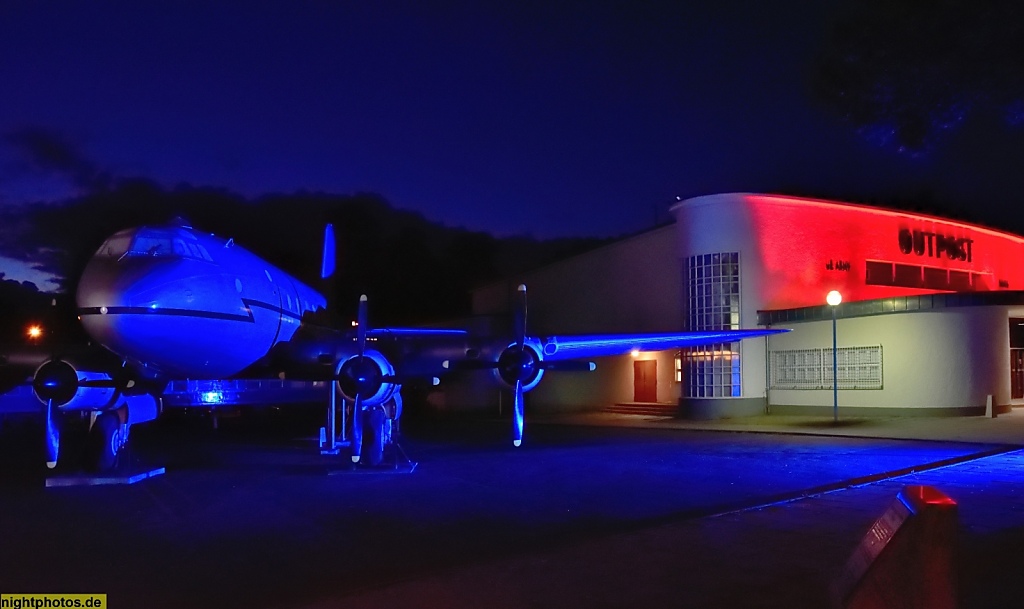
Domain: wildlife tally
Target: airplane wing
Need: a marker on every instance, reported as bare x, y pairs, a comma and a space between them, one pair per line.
558, 348
521, 364
415, 333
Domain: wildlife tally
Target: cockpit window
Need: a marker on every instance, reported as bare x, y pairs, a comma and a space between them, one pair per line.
155, 243
199, 251
116, 246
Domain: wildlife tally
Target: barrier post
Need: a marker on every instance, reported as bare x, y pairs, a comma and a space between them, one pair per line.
907, 558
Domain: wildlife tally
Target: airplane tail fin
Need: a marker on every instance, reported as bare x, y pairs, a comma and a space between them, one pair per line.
327, 268
330, 253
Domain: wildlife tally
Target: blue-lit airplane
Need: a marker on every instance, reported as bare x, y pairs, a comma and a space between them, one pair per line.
172, 302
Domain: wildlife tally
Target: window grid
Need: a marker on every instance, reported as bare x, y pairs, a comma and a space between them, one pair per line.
858, 368
713, 303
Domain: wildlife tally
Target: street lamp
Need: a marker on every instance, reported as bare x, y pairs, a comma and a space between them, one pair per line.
833, 299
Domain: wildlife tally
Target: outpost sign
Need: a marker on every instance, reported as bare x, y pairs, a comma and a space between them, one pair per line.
934, 245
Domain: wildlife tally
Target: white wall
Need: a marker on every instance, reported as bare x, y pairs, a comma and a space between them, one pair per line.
629, 286
611, 383
722, 223
947, 358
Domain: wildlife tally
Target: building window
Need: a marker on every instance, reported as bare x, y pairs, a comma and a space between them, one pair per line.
713, 303
797, 369
858, 368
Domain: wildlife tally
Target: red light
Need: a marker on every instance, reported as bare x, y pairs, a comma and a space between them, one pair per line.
917, 497
933, 496
34, 332
808, 247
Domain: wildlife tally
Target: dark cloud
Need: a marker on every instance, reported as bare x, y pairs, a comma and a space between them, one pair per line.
43, 156
51, 154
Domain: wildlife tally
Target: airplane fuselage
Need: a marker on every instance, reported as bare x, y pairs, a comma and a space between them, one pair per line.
186, 304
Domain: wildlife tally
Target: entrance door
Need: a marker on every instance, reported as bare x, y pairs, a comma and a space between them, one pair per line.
1016, 374
1016, 358
645, 381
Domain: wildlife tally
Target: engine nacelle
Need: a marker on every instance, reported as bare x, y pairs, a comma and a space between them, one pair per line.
370, 377
524, 365
141, 408
58, 380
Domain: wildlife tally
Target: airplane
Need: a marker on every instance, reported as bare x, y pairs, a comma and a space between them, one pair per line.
172, 302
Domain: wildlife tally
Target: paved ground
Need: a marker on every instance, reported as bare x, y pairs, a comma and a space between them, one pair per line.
594, 511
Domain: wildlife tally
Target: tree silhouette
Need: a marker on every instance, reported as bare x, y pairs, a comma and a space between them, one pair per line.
413, 269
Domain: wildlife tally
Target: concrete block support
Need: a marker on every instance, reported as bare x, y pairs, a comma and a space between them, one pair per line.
907, 559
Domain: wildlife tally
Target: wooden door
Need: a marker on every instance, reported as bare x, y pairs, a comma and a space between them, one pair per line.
645, 381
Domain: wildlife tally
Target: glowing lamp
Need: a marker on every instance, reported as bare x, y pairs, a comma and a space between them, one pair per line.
212, 397
635, 352
34, 331
834, 298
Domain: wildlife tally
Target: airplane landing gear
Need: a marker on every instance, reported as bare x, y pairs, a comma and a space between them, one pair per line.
99, 440
377, 432
374, 413
107, 437
376, 435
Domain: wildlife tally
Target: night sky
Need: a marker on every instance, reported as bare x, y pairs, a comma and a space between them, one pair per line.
539, 118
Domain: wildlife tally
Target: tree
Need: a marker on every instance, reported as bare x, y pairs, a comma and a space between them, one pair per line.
904, 72
415, 270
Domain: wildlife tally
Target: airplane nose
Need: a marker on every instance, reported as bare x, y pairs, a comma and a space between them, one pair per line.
112, 284
179, 316
108, 289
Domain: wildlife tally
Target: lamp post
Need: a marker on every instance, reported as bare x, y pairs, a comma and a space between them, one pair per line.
833, 299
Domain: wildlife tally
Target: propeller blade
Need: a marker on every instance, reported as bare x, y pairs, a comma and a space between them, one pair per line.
357, 429
520, 316
52, 437
361, 321
517, 415
570, 365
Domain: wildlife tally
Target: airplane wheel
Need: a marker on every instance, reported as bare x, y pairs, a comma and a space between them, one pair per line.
374, 436
106, 441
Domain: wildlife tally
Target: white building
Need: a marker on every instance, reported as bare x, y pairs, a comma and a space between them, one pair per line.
932, 318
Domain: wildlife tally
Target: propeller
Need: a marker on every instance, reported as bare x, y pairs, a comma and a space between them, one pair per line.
61, 386
361, 374
521, 365
367, 379
52, 437
57, 380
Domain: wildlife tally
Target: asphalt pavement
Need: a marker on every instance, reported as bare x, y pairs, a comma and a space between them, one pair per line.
593, 511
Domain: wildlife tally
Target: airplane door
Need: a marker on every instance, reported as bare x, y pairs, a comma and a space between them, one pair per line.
645, 381
278, 299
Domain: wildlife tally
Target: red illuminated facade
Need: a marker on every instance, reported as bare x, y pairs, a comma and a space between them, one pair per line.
805, 248
929, 321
